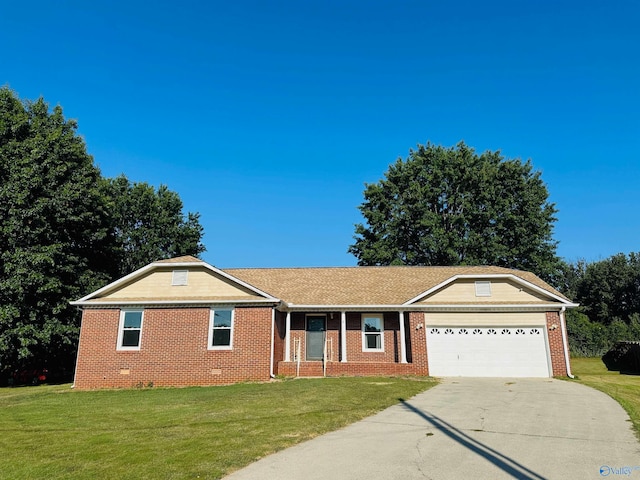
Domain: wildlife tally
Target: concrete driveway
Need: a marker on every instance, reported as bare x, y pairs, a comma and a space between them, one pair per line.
471, 428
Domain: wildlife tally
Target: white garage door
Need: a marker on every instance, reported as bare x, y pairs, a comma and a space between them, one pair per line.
487, 352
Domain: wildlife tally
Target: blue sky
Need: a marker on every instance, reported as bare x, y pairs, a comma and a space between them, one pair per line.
269, 117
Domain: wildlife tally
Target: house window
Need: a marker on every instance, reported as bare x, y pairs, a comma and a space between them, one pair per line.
179, 277
372, 333
130, 330
483, 289
220, 329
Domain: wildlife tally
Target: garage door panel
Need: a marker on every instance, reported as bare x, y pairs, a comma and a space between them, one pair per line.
487, 351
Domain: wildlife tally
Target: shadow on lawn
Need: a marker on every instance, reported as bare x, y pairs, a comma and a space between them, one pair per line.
504, 463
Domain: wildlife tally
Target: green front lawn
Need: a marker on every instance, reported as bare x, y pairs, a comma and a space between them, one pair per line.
625, 389
55, 432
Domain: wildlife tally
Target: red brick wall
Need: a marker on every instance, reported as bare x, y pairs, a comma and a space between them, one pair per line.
417, 333
556, 346
173, 349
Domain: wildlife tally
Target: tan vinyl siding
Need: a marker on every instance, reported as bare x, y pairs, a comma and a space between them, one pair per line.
200, 284
485, 319
502, 291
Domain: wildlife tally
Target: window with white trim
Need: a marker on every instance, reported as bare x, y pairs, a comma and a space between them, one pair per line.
220, 329
372, 333
483, 289
130, 330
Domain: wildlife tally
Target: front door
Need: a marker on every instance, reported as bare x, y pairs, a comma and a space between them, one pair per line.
315, 336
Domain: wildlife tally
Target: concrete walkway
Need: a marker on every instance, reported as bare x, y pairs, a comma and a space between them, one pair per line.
471, 428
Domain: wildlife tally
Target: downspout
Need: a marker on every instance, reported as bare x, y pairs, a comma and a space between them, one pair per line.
273, 325
565, 342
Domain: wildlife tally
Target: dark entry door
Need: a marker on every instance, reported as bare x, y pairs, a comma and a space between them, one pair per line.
315, 336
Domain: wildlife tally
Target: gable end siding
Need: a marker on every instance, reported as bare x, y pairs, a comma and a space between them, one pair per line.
502, 291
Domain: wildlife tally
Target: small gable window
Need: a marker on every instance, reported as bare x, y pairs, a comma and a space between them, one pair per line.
483, 289
130, 330
372, 333
180, 277
220, 329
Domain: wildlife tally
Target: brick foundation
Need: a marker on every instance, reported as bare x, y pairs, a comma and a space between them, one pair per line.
350, 369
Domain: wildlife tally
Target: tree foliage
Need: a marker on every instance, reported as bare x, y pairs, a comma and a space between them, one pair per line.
608, 292
149, 225
610, 289
66, 231
54, 235
588, 338
451, 206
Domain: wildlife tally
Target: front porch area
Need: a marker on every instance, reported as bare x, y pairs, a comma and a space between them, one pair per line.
335, 343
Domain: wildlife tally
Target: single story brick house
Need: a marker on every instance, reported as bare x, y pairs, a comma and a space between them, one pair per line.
181, 322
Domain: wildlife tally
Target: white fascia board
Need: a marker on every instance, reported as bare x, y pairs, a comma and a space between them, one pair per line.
489, 276
115, 283
425, 307
335, 308
116, 303
152, 266
493, 306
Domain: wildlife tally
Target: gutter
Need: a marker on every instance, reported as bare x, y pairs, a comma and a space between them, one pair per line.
565, 342
284, 306
150, 302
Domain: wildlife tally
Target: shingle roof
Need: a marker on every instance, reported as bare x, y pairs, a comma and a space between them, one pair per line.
183, 259
393, 285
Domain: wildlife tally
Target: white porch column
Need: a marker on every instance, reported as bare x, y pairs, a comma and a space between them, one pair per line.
343, 336
287, 338
403, 347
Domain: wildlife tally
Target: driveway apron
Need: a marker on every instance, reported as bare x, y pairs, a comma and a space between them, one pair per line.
473, 428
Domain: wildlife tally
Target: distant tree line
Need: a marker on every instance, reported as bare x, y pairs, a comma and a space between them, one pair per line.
609, 295
65, 230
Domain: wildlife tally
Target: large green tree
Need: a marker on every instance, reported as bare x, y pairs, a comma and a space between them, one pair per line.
149, 225
451, 206
54, 232
66, 231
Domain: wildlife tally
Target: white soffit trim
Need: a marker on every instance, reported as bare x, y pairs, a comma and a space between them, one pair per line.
155, 265
115, 284
115, 302
546, 307
425, 307
490, 276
